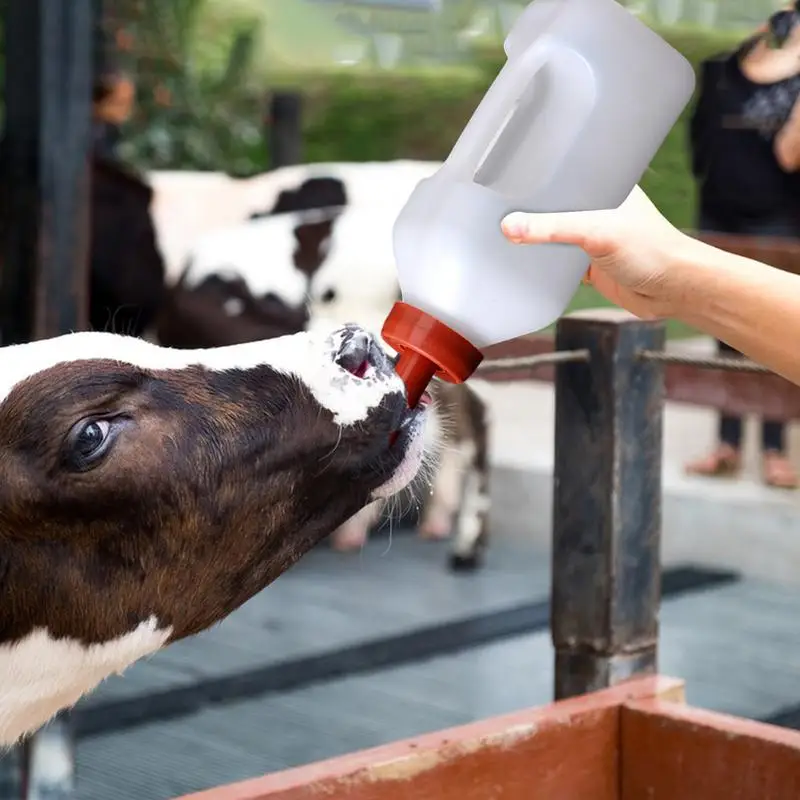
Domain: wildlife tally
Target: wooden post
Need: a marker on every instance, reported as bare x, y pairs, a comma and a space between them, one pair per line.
285, 129
607, 502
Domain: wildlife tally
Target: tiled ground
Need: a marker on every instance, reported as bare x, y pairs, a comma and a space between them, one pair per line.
736, 645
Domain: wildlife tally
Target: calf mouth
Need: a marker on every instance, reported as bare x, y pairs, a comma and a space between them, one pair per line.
361, 356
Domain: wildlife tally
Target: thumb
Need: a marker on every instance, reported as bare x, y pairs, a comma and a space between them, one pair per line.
567, 227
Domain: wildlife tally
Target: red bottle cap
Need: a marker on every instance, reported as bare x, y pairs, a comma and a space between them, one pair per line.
426, 348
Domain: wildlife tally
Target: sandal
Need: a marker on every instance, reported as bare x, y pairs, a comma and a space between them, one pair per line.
724, 461
778, 471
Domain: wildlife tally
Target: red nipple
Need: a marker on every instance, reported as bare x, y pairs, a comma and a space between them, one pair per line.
427, 347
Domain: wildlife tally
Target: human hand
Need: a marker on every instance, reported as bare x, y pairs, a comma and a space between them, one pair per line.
635, 252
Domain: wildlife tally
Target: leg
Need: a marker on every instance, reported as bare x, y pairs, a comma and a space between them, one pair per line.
725, 459
778, 470
353, 534
460, 488
472, 523
442, 505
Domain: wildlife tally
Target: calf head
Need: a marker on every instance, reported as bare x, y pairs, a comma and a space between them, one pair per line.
247, 293
145, 492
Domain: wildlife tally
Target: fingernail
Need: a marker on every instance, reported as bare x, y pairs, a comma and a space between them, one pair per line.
514, 226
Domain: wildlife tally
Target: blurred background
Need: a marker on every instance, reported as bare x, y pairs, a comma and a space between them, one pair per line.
377, 638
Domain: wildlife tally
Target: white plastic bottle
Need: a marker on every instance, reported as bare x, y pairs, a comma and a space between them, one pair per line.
586, 97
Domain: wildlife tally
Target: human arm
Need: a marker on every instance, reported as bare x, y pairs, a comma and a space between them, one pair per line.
641, 262
753, 307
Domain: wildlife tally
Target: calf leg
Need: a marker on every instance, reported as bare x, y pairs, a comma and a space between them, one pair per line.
472, 522
353, 534
446, 492
471, 527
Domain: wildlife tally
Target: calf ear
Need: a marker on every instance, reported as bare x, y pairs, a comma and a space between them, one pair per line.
308, 255
287, 201
321, 193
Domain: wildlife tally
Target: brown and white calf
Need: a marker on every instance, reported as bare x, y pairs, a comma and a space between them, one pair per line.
145, 493
305, 265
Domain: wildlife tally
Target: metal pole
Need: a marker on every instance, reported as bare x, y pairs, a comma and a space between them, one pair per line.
607, 502
285, 129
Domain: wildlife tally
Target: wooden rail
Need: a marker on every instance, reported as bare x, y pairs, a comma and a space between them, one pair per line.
781, 253
737, 393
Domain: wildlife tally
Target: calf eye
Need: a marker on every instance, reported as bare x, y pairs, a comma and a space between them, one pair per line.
87, 444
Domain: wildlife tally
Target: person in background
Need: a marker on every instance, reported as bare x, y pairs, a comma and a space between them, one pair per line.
113, 96
745, 149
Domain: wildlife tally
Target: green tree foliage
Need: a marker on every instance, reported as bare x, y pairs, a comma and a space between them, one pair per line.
197, 103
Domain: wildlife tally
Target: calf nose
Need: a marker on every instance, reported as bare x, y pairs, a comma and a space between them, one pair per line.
361, 355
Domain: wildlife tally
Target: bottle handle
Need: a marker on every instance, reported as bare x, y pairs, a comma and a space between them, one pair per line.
548, 88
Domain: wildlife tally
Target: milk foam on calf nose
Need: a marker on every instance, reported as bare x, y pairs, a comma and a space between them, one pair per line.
586, 97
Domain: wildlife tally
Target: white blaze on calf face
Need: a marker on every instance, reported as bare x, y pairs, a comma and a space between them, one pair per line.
306, 356
359, 268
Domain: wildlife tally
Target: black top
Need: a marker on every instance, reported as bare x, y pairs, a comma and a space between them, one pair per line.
732, 131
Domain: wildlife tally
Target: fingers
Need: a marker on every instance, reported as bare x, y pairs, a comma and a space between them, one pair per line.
570, 227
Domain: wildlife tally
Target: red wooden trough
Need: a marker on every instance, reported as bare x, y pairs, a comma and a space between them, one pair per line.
636, 741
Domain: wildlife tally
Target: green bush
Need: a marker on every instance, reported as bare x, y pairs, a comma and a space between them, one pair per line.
357, 115
352, 116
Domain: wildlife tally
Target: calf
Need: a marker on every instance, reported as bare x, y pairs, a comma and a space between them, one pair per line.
340, 260
145, 493
187, 205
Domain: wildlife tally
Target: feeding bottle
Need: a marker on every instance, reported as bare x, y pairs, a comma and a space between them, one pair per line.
586, 97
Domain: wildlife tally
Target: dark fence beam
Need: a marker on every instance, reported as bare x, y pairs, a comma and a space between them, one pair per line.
607, 502
285, 129
737, 393
778, 252
49, 71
